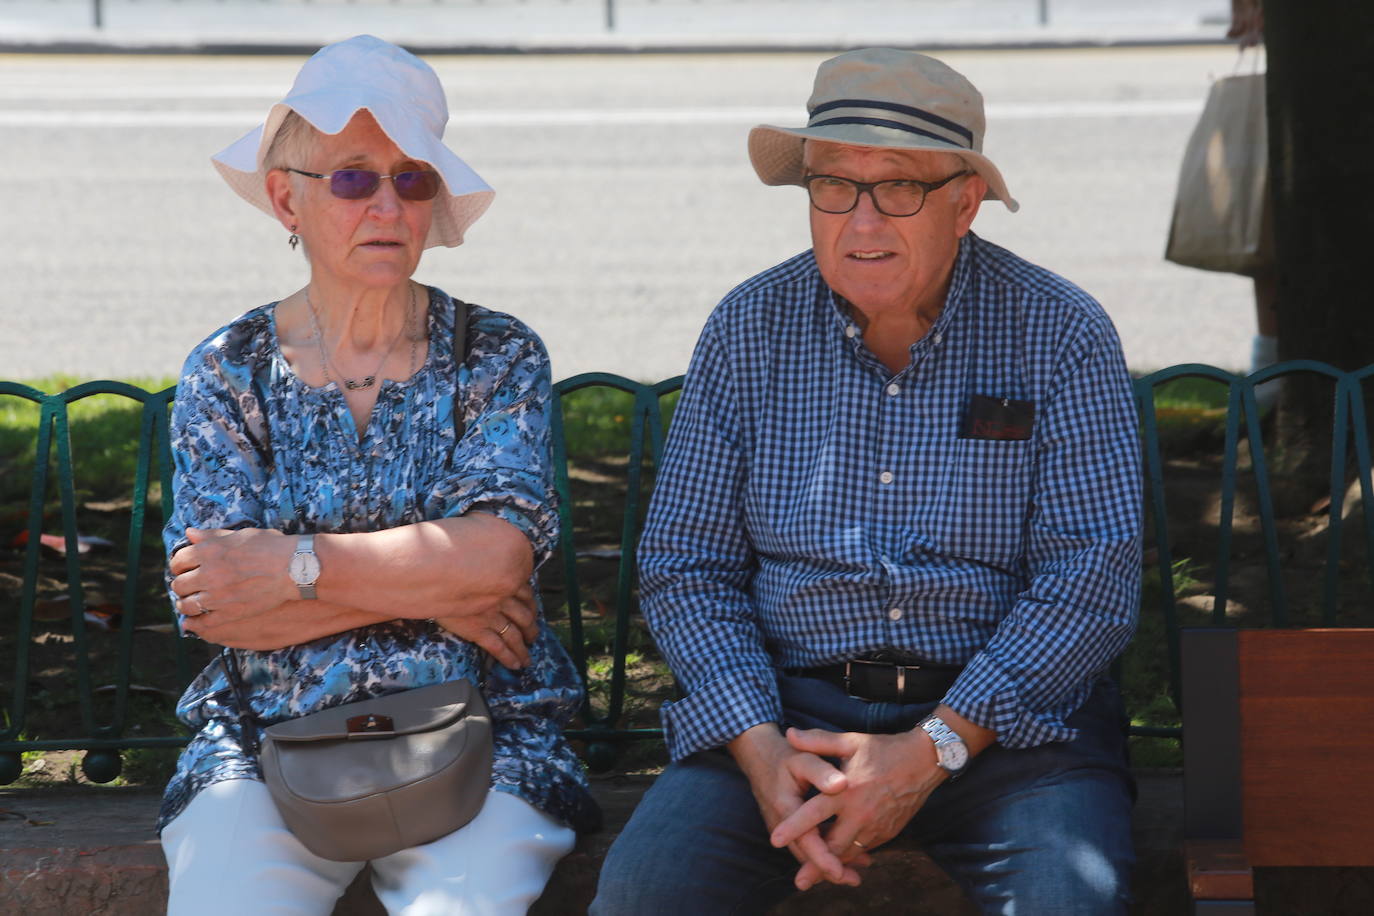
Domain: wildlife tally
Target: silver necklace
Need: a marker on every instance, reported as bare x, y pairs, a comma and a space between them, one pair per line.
367, 381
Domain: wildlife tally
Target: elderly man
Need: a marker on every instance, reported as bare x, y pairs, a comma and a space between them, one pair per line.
894, 545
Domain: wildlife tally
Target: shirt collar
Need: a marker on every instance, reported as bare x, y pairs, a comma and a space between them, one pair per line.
958, 283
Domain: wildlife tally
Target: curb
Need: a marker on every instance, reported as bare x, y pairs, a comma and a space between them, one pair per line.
297, 48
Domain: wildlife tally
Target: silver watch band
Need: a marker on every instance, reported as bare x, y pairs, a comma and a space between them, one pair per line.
950, 749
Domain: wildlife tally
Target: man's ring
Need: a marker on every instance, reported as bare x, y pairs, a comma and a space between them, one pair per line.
200, 603
860, 845
502, 631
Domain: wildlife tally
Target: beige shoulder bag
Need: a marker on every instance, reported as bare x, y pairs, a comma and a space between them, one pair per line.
363, 780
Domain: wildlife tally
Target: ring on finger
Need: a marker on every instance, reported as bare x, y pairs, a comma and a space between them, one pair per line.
200, 604
502, 631
860, 845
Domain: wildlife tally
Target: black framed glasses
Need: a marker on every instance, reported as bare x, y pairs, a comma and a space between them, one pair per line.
893, 197
358, 184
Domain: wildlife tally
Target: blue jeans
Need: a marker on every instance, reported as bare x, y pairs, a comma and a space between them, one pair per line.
1034, 831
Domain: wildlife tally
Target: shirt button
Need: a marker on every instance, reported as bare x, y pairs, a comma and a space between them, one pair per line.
885, 477
894, 614
850, 331
894, 389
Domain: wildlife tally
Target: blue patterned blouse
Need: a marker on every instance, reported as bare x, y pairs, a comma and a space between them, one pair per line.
256, 447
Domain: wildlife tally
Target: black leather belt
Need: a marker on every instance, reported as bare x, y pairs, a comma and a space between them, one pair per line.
886, 682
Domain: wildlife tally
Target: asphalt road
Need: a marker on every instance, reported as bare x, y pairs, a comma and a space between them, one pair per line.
626, 206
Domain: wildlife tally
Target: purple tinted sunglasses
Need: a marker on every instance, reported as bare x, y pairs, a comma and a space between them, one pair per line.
358, 184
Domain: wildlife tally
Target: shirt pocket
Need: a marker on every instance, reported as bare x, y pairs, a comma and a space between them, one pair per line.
984, 504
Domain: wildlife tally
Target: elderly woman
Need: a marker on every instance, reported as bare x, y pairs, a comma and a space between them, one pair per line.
360, 509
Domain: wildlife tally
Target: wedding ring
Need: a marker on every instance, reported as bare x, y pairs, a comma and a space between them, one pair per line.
860, 845
200, 603
502, 631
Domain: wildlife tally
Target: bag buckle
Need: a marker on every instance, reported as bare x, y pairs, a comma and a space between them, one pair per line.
369, 725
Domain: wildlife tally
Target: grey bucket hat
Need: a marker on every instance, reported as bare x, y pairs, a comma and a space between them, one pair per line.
882, 97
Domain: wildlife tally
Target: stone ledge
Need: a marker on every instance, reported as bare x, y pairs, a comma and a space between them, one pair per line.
110, 881
91, 852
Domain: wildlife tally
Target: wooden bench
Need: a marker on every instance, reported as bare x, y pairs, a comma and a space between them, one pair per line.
1278, 742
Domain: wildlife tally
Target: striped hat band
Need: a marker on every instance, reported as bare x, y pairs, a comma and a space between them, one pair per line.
893, 115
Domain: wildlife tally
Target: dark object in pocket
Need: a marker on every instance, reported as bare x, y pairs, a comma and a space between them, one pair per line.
997, 418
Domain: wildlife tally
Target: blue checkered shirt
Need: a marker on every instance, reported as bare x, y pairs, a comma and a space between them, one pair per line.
812, 506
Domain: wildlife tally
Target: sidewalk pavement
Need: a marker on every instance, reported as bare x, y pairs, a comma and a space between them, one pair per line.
608, 26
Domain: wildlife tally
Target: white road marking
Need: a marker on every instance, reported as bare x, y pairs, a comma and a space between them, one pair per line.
567, 117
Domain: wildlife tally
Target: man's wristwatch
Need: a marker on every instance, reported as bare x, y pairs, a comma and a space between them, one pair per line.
305, 566
950, 751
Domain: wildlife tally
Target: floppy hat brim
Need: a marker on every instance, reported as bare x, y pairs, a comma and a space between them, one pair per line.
776, 152
329, 111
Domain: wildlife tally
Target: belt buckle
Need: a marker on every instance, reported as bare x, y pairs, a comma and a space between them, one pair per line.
899, 672
849, 676
899, 669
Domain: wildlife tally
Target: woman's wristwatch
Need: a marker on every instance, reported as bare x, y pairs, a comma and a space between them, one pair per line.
950, 751
304, 568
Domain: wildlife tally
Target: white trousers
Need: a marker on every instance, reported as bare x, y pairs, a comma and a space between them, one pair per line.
229, 854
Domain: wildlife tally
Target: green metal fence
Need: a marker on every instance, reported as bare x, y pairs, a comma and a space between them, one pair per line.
604, 731
53, 465
1350, 438
103, 729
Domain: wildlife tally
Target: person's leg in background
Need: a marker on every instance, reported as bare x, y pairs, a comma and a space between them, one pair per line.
1264, 349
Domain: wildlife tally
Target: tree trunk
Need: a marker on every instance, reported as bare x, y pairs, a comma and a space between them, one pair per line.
1321, 151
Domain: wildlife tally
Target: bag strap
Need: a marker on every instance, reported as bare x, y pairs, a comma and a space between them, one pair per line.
248, 723
460, 356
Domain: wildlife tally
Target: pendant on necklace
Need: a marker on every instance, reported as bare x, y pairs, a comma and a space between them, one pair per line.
353, 384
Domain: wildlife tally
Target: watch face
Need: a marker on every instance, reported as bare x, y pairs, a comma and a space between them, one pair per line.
953, 756
305, 568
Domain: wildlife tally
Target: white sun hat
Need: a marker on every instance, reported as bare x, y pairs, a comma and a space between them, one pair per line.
405, 97
882, 97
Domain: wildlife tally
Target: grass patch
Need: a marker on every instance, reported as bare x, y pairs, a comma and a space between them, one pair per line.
597, 421
148, 766
1191, 394
1190, 414
104, 431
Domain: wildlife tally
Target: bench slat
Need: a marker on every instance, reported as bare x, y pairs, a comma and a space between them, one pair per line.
1218, 870
1307, 746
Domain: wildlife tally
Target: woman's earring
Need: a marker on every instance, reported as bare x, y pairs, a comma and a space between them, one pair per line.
294, 239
